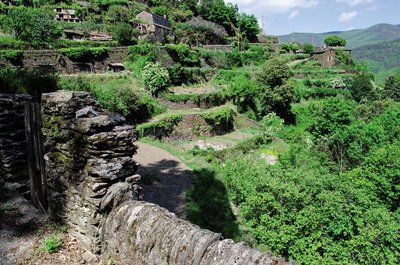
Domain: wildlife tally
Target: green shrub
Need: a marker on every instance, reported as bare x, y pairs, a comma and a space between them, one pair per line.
14, 56
244, 93
183, 54
52, 243
84, 53
219, 117
34, 82
116, 94
148, 50
215, 97
227, 76
159, 128
156, 78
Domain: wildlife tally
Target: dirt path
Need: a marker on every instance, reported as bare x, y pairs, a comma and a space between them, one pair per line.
171, 178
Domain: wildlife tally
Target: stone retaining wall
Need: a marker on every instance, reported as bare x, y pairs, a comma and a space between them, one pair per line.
143, 233
13, 152
54, 59
88, 162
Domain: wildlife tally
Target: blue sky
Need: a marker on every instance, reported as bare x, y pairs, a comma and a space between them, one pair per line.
286, 16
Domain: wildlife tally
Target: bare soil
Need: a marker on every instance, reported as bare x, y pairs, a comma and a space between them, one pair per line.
23, 228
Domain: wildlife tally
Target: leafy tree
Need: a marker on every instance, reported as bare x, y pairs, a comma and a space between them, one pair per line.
156, 78
274, 73
289, 47
219, 12
248, 26
362, 88
117, 14
308, 48
335, 40
392, 87
33, 25
125, 34
382, 169
276, 93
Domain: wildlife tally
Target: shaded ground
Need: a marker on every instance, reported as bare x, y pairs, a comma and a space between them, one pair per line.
165, 178
23, 228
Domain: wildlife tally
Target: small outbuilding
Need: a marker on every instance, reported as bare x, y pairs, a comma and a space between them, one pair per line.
327, 56
116, 67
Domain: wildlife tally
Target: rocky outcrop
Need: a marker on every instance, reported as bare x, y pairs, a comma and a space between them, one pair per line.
88, 161
13, 153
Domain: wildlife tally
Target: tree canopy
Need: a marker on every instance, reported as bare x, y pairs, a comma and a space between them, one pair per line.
335, 40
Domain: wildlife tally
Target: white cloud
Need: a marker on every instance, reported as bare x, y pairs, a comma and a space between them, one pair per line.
273, 6
355, 2
293, 14
347, 16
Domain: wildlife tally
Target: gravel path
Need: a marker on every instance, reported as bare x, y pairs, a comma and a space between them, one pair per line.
172, 178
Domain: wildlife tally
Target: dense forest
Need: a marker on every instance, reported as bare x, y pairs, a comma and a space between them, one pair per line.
331, 194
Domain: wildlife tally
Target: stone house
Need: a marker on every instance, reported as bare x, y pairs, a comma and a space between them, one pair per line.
153, 25
65, 14
327, 55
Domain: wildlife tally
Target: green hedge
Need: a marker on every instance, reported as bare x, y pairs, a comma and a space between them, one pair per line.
84, 53
159, 128
217, 97
219, 117
183, 54
14, 56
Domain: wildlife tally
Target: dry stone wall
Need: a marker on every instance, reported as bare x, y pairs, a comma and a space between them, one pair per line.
88, 162
94, 189
13, 152
143, 233
54, 59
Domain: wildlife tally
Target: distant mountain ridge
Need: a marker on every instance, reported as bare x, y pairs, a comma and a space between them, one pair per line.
355, 38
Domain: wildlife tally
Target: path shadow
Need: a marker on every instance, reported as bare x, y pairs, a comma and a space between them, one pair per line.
209, 205
165, 183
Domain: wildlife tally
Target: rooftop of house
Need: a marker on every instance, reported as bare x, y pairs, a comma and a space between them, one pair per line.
327, 48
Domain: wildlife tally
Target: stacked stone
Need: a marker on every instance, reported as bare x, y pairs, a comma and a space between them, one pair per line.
13, 152
143, 233
88, 162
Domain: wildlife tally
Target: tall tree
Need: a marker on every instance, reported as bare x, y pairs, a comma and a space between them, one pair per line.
335, 40
32, 25
248, 26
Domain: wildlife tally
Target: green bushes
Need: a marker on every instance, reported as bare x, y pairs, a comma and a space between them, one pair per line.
34, 82
219, 117
159, 128
14, 56
215, 98
116, 94
156, 78
183, 54
140, 55
300, 211
84, 53
9, 42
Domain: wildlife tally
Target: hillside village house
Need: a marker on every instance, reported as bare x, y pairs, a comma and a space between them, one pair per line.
327, 55
65, 14
154, 25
